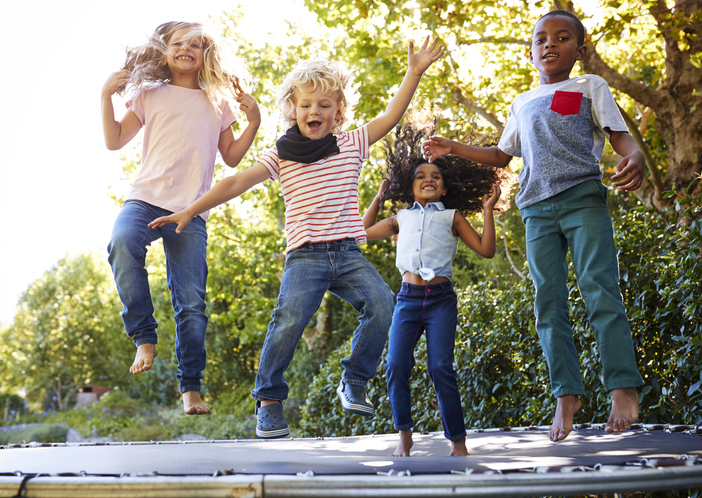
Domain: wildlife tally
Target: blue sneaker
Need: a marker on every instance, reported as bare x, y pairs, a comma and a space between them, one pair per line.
270, 421
354, 399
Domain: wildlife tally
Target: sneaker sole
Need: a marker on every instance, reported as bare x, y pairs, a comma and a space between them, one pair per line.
363, 410
273, 434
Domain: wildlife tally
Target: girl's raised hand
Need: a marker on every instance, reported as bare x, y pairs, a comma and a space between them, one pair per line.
249, 106
381, 189
181, 218
435, 147
424, 57
489, 202
116, 82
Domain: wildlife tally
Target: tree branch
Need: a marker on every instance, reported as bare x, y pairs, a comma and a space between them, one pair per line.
503, 224
466, 102
594, 64
499, 40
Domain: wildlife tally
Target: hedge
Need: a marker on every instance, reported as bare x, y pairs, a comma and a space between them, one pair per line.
501, 372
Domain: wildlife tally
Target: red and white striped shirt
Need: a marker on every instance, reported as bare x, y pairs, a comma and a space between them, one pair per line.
321, 198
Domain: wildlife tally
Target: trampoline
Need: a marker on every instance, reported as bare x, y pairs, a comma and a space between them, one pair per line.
502, 462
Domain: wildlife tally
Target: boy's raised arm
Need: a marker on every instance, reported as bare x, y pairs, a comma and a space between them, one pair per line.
223, 191
437, 147
418, 62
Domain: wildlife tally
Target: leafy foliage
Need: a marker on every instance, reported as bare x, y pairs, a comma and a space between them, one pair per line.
662, 291
500, 368
43, 433
65, 332
119, 417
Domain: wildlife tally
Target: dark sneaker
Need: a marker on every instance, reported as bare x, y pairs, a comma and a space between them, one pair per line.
270, 421
354, 399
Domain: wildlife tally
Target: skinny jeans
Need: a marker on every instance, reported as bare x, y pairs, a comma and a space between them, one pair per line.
186, 271
419, 309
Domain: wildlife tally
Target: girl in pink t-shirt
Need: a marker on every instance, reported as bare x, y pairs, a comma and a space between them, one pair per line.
180, 88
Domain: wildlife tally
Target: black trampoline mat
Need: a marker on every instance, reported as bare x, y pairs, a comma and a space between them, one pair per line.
489, 451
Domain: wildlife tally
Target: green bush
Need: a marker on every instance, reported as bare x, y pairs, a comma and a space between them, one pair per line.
42, 433
13, 406
501, 371
661, 271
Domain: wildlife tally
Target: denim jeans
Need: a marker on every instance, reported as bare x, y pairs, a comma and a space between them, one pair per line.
186, 268
310, 271
578, 219
431, 308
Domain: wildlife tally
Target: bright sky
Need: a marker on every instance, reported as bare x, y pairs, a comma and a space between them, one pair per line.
56, 171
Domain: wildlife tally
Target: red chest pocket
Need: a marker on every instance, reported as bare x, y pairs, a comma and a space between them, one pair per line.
566, 103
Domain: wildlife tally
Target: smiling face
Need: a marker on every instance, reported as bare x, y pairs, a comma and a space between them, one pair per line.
315, 111
185, 53
554, 48
428, 184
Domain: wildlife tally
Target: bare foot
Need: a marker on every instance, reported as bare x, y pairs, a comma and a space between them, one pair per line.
144, 358
193, 404
458, 448
625, 410
405, 444
566, 407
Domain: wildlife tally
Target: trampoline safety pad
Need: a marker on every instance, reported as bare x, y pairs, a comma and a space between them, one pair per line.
516, 462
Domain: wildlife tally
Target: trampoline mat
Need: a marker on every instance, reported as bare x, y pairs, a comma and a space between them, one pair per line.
501, 451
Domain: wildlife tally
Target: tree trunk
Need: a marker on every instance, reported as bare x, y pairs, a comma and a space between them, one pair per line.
676, 103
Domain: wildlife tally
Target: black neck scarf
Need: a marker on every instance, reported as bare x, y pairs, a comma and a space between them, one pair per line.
293, 146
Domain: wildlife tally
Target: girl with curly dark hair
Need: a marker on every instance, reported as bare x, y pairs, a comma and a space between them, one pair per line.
436, 194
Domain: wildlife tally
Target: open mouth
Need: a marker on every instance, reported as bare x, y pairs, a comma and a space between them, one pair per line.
314, 125
550, 56
185, 58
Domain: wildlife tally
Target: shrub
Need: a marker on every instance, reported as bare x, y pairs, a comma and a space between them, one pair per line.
661, 271
42, 433
500, 367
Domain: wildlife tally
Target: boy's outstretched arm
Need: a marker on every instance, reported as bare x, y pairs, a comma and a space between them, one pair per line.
382, 229
234, 149
418, 62
630, 170
223, 191
437, 147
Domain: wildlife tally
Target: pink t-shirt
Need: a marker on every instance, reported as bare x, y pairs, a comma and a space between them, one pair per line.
321, 199
181, 133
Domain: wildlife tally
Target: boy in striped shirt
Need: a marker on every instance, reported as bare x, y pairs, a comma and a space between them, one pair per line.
319, 165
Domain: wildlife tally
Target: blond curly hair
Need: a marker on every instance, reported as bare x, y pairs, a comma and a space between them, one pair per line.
330, 77
220, 77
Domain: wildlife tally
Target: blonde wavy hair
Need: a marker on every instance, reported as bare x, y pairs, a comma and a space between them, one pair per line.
220, 77
330, 77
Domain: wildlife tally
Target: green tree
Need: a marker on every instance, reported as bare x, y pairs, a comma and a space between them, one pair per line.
67, 332
649, 52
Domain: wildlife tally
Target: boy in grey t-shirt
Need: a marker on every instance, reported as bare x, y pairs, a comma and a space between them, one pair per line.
559, 129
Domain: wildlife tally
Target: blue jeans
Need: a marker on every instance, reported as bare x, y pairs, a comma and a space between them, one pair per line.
578, 219
310, 271
186, 268
431, 308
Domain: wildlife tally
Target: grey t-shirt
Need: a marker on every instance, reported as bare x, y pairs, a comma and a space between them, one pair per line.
559, 131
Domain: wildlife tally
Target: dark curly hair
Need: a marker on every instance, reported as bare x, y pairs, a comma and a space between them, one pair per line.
466, 181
